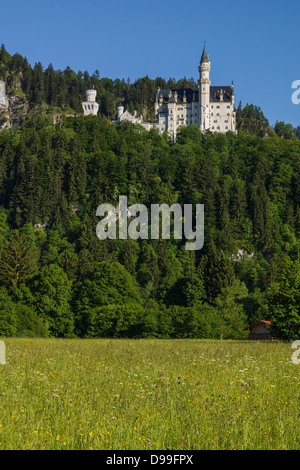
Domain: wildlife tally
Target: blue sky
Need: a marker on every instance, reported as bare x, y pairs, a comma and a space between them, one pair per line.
255, 43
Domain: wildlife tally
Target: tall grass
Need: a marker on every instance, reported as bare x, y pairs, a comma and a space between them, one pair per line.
148, 394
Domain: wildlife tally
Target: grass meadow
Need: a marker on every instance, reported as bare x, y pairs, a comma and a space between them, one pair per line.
148, 394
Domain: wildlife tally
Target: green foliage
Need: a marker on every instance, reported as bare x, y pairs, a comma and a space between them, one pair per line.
117, 321
250, 119
135, 321
109, 283
8, 318
29, 324
18, 262
51, 291
283, 299
285, 131
190, 322
106, 283
233, 320
4, 228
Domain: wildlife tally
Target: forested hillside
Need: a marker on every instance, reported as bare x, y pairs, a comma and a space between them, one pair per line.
52, 90
38, 90
58, 279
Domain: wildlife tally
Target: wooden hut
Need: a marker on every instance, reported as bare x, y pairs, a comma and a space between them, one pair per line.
260, 330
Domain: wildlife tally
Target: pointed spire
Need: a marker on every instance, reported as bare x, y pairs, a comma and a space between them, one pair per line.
205, 57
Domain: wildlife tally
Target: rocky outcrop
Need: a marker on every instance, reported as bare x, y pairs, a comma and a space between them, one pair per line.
18, 109
4, 121
14, 113
239, 254
3, 97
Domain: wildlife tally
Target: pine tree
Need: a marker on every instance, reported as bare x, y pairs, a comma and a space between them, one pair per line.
18, 262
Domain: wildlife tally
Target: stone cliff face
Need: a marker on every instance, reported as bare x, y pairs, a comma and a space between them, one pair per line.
15, 113
18, 109
4, 119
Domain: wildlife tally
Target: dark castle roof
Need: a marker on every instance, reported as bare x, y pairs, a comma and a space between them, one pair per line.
192, 94
215, 92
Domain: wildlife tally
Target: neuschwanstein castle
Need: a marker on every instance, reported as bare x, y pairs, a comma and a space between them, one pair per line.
209, 107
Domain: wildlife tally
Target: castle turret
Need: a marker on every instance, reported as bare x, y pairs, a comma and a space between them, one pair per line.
204, 91
90, 95
90, 106
120, 110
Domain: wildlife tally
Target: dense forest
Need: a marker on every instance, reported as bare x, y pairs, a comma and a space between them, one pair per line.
58, 279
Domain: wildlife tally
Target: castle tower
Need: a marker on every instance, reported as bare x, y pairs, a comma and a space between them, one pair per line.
90, 106
204, 91
233, 109
120, 110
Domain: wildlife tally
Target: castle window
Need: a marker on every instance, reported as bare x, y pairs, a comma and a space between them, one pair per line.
228, 106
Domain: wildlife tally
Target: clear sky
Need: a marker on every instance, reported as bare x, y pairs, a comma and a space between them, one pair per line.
254, 43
